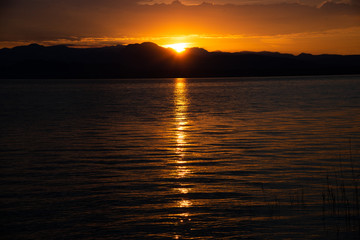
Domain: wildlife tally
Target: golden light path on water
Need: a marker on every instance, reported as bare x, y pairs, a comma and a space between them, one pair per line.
181, 105
181, 124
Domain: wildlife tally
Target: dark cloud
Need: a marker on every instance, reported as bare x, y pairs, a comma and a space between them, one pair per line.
46, 19
355, 2
339, 7
240, 2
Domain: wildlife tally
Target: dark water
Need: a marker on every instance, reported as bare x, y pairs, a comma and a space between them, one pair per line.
247, 158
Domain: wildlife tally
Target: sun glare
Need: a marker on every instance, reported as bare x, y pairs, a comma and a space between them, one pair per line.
178, 47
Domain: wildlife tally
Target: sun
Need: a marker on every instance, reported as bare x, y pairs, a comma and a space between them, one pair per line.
178, 47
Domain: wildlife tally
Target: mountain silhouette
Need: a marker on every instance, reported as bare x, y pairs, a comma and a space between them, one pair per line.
147, 60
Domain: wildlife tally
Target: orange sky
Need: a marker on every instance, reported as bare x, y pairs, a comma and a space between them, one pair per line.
226, 25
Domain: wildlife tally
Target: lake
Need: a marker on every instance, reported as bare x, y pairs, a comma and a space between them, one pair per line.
217, 158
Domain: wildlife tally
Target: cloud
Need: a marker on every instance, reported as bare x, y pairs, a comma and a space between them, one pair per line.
339, 8
355, 2
237, 2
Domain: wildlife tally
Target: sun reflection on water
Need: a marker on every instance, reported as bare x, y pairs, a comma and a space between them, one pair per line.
181, 104
182, 170
183, 190
185, 203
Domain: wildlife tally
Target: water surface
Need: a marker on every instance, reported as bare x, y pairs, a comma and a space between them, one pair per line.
220, 158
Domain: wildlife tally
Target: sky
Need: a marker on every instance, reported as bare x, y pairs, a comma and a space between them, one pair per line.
287, 26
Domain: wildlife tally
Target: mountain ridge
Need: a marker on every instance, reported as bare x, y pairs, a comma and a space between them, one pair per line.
148, 60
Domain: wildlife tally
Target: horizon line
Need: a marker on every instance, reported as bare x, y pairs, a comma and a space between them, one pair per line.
79, 46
